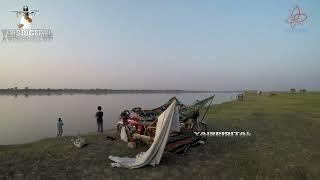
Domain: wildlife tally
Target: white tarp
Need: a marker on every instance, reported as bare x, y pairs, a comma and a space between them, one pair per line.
153, 155
123, 134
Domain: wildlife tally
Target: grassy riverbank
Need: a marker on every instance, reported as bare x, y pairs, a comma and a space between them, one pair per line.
284, 144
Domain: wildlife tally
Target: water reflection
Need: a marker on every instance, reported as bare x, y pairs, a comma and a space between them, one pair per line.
28, 118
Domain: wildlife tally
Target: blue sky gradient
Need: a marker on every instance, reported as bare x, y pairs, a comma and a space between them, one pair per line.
216, 45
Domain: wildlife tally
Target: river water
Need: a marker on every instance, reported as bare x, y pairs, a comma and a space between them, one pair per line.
27, 118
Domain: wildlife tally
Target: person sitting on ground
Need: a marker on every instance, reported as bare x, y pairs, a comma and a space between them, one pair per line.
99, 116
59, 127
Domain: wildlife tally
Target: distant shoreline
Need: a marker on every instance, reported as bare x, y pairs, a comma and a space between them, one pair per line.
96, 91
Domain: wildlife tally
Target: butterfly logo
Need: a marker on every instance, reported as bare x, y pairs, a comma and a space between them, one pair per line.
296, 17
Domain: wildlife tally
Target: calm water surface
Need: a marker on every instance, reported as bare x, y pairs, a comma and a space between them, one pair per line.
25, 119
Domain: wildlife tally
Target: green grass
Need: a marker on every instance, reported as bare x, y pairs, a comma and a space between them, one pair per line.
284, 144
285, 130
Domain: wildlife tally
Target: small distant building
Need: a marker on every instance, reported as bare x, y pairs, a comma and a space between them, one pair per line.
302, 90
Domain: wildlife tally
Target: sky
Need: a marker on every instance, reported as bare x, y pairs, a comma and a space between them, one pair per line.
168, 44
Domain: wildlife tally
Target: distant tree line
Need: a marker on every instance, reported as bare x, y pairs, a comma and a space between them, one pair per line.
48, 91
293, 90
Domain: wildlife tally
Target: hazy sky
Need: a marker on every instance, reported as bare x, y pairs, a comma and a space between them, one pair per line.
168, 44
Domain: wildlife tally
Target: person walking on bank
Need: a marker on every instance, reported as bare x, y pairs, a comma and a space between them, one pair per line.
99, 116
59, 127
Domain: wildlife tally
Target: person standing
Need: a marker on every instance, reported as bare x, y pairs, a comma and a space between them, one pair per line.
59, 127
99, 116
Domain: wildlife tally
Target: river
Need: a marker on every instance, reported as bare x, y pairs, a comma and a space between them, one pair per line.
28, 118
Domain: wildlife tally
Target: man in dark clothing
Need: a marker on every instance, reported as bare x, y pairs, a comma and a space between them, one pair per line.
99, 116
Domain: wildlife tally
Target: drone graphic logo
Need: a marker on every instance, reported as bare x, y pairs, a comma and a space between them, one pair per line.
296, 17
24, 31
26, 19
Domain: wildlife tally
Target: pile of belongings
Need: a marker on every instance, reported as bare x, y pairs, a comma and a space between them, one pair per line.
79, 141
151, 114
187, 112
139, 118
165, 124
181, 142
167, 137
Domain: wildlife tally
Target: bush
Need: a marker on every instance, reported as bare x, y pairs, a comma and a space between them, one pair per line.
303, 90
